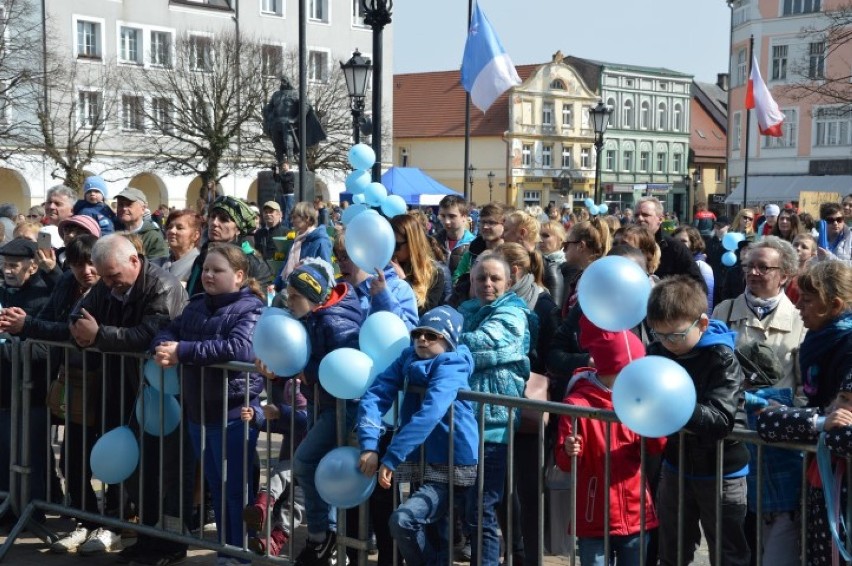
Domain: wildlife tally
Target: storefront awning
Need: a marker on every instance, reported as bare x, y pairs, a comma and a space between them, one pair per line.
785, 188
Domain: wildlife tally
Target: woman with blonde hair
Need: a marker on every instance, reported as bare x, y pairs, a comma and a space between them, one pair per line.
551, 240
744, 223
415, 263
521, 228
640, 238
586, 241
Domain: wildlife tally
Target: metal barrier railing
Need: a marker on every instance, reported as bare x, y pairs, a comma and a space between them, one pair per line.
118, 382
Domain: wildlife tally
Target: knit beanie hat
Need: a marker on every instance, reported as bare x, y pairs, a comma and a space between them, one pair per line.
772, 210
237, 210
95, 183
611, 351
443, 320
314, 279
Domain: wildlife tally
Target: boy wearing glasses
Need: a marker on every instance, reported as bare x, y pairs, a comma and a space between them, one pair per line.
439, 365
839, 235
705, 348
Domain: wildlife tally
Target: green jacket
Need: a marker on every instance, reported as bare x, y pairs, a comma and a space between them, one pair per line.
152, 239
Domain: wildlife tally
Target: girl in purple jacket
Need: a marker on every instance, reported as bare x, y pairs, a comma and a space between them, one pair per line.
216, 327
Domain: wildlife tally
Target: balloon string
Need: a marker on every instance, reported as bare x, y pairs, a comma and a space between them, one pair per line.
367, 423
627, 344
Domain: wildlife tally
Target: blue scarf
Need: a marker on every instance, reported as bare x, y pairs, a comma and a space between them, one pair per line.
816, 345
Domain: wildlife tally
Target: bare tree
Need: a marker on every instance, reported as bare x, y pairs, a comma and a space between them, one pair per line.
823, 75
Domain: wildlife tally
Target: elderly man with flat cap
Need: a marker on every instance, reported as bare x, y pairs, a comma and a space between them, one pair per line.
130, 209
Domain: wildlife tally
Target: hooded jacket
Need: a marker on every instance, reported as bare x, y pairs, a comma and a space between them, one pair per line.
397, 298
215, 329
625, 485
152, 239
455, 254
718, 379
100, 211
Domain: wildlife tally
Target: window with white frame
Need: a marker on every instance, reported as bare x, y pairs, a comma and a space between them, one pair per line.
609, 161
201, 53
567, 115
645, 161
132, 113
566, 157
832, 127
272, 7
779, 62
645, 115
89, 106
793, 7
161, 114
272, 60
526, 155
585, 158
130, 45
89, 39
161, 48
662, 116
318, 66
738, 130
789, 130
677, 162
816, 60
627, 160
318, 10
627, 117
741, 68
610, 102
532, 197
358, 13
547, 156
677, 115
547, 114
661, 162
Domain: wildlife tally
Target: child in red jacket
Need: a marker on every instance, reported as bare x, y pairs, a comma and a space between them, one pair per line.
592, 387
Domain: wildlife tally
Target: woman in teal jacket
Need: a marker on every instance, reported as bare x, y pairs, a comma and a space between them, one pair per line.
497, 332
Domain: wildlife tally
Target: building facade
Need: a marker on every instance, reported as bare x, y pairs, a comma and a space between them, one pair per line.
119, 36
708, 144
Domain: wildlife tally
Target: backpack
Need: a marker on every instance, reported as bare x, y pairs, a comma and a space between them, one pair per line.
760, 364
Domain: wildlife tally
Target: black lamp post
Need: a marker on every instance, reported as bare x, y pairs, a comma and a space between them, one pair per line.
377, 14
470, 170
599, 116
357, 73
687, 184
490, 185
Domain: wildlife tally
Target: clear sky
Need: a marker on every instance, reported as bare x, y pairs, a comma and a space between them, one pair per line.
690, 36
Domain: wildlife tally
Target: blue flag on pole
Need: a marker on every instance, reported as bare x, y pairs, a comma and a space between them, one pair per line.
486, 72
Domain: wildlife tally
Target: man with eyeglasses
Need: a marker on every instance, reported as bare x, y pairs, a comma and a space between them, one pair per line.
838, 233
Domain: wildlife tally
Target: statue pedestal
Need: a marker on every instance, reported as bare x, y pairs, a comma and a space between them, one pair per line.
269, 189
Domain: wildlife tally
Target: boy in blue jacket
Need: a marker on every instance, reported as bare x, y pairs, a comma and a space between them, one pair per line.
438, 364
92, 204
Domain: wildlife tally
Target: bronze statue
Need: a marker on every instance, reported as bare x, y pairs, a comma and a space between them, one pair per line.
281, 123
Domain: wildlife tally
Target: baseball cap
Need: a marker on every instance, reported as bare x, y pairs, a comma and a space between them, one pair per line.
134, 195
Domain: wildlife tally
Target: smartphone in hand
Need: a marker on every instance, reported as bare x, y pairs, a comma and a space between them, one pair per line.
44, 241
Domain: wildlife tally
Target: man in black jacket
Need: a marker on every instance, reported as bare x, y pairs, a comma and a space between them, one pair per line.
273, 227
121, 314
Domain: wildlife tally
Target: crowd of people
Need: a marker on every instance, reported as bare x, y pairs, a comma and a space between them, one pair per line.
490, 297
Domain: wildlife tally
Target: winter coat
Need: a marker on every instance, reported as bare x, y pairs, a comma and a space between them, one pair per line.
153, 242
553, 279
439, 289
397, 298
718, 408
498, 337
676, 259
843, 249
333, 325
215, 329
316, 244
625, 485
101, 212
423, 420
455, 254
258, 268
263, 239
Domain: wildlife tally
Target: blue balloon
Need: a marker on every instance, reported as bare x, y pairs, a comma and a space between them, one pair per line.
361, 156
357, 181
654, 396
603, 208
383, 337
281, 342
731, 240
352, 211
375, 193
729, 259
148, 412
346, 373
370, 241
340, 482
359, 199
115, 455
613, 293
589, 202
153, 374
394, 205
593, 210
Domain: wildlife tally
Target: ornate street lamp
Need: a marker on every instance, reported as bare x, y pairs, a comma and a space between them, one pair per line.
377, 14
357, 73
490, 185
599, 116
470, 171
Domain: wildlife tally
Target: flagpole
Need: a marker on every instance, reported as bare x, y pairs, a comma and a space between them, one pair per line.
466, 188
748, 125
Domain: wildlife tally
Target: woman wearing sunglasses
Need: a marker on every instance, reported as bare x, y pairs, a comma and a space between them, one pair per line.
414, 261
838, 233
744, 223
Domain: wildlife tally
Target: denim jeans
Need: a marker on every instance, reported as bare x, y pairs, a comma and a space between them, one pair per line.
320, 440
408, 525
494, 475
624, 550
235, 481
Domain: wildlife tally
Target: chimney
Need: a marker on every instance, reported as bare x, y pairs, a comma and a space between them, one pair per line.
722, 80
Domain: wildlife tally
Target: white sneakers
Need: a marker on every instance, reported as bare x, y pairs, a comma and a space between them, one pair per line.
100, 540
71, 541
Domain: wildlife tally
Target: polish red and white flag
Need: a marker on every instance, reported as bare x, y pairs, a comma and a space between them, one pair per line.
769, 117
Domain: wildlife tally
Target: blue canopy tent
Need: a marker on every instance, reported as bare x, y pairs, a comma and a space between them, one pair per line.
413, 185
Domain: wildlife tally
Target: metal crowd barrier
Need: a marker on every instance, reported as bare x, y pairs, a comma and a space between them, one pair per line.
34, 364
